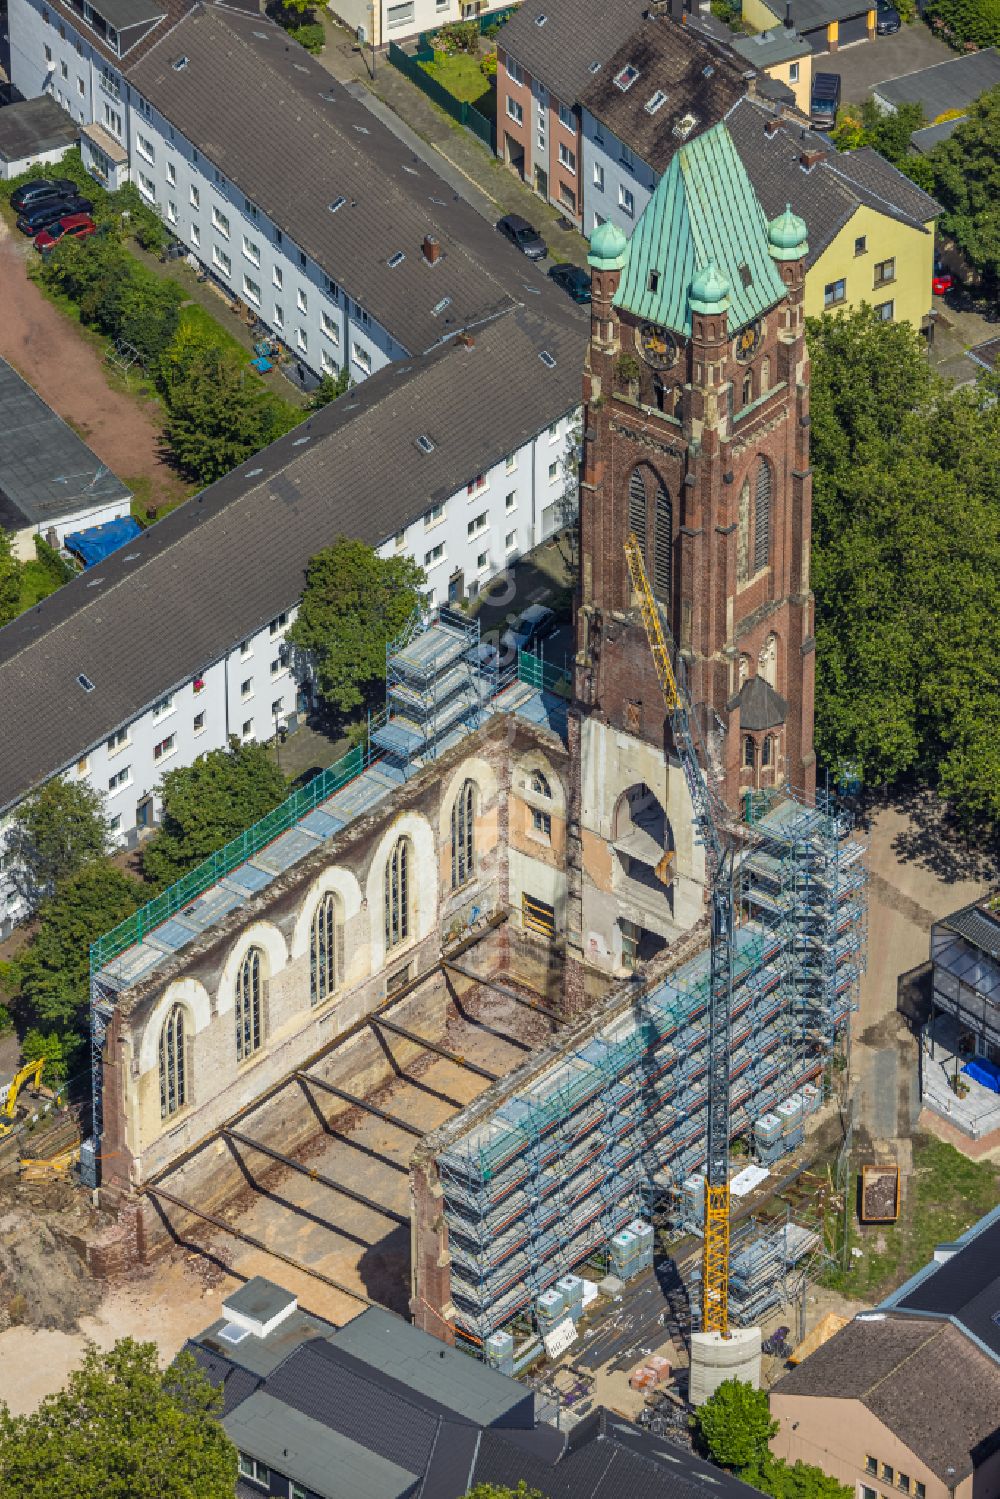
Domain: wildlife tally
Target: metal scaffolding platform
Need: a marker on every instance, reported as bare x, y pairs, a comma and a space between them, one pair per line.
437, 686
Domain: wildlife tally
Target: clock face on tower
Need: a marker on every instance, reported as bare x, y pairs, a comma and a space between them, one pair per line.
657, 345
747, 342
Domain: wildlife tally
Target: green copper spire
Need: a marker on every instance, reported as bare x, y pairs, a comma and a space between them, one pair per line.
786, 236
607, 248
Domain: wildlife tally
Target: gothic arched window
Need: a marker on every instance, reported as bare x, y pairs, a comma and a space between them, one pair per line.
463, 822
743, 535
663, 544
173, 1063
326, 954
539, 784
249, 983
748, 387
637, 507
397, 894
766, 749
765, 374
749, 752
762, 517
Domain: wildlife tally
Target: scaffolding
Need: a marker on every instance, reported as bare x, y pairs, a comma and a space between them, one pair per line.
438, 683
620, 1124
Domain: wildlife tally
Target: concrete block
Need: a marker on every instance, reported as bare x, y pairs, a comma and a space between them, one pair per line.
715, 1359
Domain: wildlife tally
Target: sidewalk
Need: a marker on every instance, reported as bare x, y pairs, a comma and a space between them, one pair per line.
468, 166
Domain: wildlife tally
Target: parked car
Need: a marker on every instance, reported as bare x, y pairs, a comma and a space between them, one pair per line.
532, 625
73, 226
49, 212
523, 236
886, 18
824, 101
942, 279
574, 281
42, 187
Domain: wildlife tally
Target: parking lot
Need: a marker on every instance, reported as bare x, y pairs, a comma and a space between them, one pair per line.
866, 64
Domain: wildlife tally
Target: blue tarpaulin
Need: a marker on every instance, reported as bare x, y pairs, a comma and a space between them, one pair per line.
98, 542
982, 1071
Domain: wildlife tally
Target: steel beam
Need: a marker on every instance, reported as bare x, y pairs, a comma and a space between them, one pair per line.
316, 1176
442, 1051
504, 989
362, 1103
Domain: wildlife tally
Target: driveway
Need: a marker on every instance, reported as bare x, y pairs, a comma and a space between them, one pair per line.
866, 64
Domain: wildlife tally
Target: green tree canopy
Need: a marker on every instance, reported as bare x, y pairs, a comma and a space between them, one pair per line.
10, 580
206, 804
221, 414
502, 1491
962, 21
122, 1429
906, 564
56, 832
798, 1481
329, 388
965, 172
735, 1426
888, 134
354, 603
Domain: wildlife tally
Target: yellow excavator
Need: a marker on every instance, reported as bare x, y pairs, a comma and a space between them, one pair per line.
8, 1109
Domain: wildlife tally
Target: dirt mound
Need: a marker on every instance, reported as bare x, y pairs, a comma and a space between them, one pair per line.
43, 1279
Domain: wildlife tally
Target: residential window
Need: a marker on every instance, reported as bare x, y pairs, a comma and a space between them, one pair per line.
567, 158
919, 1490
888, 1473
48, 58
749, 752
598, 176
510, 502
251, 290
220, 221
478, 524
793, 72
302, 339
834, 292
115, 823
476, 486
326, 965
82, 767
279, 316
81, 87
514, 70
246, 648
172, 212
118, 740
397, 894
302, 260
435, 555
482, 562
433, 515
510, 463
222, 261
147, 187
195, 235
885, 271
510, 541
867, 1493
278, 623
514, 110
112, 118
463, 828
276, 277
541, 822
399, 15
145, 147
884, 311
171, 173
247, 728
626, 200
121, 778
328, 364
566, 117
279, 664
361, 358
63, 65
302, 301
251, 250
330, 328
871, 1465
553, 472
903, 1482
195, 197
199, 723
249, 985
246, 688
165, 747
861, 244
277, 707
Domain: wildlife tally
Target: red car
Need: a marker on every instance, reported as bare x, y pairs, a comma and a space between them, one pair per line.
942, 280
74, 225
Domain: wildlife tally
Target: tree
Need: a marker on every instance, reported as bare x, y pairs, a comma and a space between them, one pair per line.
58, 831
10, 580
961, 22
221, 414
208, 803
502, 1491
798, 1481
122, 1429
966, 177
51, 978
735, 1426
888, 134
328, 389
354, 602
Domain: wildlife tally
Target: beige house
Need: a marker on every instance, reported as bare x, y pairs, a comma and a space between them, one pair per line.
896, 1405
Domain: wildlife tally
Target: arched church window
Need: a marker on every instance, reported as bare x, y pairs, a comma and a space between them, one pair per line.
173, 1063
637, 507
663, 544
762, 517
743, 535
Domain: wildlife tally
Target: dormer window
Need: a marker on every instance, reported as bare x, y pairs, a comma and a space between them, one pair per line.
655, 101
626, 76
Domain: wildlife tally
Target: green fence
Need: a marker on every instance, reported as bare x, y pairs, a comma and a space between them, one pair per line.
466, 114
227, 858
538, 673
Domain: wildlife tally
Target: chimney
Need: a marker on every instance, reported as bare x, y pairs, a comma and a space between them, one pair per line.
789, 24
808, 159
432, 249
771, 127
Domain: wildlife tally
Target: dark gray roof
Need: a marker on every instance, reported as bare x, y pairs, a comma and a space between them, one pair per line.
123, 14
576, 34
924, 1379
987, 354
947, 85
35, 125
46, 470
698, 77
929, 136
965, 1288
828, 194
760, 706
236, 1383
807, 15
259, 1357
351, 469
319, 145
979, 927
768, 48
259, 1299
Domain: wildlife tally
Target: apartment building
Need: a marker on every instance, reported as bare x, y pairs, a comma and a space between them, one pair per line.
383, 21
547, 54
346, 247
459, 459
662, 86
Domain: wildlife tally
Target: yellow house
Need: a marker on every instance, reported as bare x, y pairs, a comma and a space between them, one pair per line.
784, 56
871, 230
825, 25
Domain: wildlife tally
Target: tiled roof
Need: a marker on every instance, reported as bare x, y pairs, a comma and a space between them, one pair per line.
352, 469
314, 144
875, 181
698, 77
923, 1379
951, 84
562, 51
704, 209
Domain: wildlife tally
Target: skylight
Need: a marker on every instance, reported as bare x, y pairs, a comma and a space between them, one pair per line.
655, 101
439, 307
424, 443
252, 473
179, 65
709, 71
395, 260
233, 1333
541, 20
86, 683
547, 359
626, 76
595, 67
685, 125
337, 203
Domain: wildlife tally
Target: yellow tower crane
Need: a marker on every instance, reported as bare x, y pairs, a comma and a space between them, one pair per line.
719, 856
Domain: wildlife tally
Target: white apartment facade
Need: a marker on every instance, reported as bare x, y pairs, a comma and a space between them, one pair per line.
617, 184
383, 21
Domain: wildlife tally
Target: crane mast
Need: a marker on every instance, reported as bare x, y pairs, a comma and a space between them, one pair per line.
719, 858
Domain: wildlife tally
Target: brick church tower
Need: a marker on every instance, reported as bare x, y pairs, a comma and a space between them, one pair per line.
696, 439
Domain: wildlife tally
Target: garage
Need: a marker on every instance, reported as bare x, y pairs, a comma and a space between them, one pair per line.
813, 19
854, 29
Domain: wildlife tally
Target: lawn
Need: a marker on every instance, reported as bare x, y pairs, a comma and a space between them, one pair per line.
946, 1194
37, 583
462, 77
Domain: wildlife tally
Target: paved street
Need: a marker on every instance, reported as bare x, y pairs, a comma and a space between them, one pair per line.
865, 64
